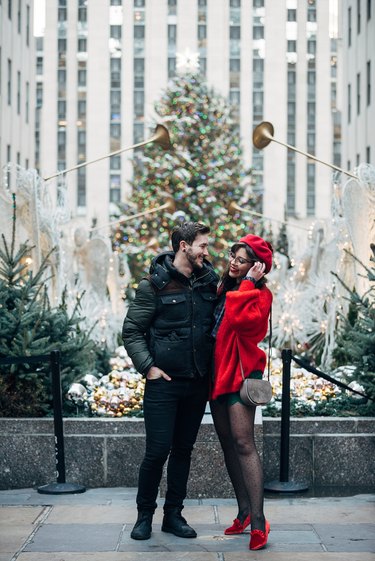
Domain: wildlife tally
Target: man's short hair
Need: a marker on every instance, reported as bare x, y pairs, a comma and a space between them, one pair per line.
187, 232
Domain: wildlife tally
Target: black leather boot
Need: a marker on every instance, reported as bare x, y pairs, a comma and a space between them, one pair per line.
142, 528
176, 524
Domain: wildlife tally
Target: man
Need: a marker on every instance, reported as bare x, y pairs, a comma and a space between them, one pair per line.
167, 334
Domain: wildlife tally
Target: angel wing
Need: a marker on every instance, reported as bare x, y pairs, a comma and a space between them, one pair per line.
359, 211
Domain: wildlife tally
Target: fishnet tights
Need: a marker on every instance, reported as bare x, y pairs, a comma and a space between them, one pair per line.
234, 425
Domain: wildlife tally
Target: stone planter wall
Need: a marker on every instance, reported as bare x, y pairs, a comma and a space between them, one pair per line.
107, 453
323, 451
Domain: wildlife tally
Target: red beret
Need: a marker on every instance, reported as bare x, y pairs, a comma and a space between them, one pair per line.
261, 248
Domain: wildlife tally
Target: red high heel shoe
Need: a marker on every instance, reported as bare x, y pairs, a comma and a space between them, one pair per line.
237, 527
258, 538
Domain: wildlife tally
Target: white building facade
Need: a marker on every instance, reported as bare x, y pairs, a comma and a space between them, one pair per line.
17, 85
106, 62
357, 102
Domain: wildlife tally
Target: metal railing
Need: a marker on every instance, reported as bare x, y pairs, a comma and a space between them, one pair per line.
283, 484
54, 358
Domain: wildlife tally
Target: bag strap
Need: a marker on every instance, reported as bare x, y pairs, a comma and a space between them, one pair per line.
269, 350
239, 358
269, 345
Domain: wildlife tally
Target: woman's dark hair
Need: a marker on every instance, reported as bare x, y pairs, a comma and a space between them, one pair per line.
227, 282
187, 232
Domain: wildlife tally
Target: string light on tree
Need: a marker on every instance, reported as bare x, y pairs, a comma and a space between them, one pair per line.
203, 173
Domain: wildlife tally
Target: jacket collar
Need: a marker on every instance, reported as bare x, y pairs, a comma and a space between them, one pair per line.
162, 270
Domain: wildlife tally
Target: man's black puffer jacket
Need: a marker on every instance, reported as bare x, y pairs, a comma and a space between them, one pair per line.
169, 323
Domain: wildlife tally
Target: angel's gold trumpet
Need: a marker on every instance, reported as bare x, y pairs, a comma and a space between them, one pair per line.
263, 135
160, 136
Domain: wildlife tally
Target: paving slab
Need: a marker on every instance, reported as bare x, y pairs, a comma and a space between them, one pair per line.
132, 556
96, 526
76, 537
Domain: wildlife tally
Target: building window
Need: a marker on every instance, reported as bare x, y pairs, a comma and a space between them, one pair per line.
292, 15
115, 31
81, 109
172, 7
61, 80
368, 89
235, 70
82, 45
27, 25
172, 34
291, 113
311, 14
81, 144
171, 66
138, 132
82, 78
258, 32
369, 9
359, 16
61, 14
349, 103
115, 136
10, 9
235, 41
291, 185
9, 82
82, 11
139, 100
116, 105
27, 107
18, 92
292, 46
9, 179
61, 144
115, 188
202, 11
311, 143
61, 109
115, 162
81, 187
202, 36
115, 72
349, 27
139, 40
115, 195
139, 72
19, 17
311, 46
235, 99
358, 93
310, 203
39, 65
39, 96
368, 154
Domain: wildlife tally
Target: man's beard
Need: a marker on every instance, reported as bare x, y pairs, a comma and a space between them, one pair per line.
197, 265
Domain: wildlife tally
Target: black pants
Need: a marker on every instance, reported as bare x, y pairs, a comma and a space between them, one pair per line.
173, 412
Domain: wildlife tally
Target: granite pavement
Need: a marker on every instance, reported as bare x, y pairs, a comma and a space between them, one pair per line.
96, 525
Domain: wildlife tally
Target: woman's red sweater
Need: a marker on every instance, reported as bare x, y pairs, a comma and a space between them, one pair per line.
245, 322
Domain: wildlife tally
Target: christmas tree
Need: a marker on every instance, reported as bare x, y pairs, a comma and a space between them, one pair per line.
29, 326
203, 173
356, 340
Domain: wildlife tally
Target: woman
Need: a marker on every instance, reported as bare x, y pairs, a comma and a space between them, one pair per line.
241, 323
